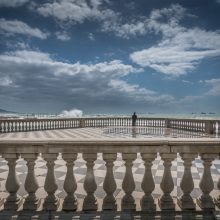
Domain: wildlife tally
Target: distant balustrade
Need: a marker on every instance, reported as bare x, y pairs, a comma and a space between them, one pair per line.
20, 125
168, 150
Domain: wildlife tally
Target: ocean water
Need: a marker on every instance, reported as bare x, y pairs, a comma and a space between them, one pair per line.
214, 116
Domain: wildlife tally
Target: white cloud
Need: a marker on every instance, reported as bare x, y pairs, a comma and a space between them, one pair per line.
12, 3
5, 81
72, 10
180, 49
215, 87
73, 113
12, 27
63, 36
36, 73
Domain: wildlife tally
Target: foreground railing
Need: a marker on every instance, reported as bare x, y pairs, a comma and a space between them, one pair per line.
17, 125
188, 150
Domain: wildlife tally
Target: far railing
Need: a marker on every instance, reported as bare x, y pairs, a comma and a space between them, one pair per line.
35, 124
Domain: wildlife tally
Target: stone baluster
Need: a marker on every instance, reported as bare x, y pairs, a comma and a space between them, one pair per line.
31, 185
206, 184
109, 184
128, 184
185, 201
217, 200
50, 186
12, 183
167, 185
90, 186
147, 201
70, 185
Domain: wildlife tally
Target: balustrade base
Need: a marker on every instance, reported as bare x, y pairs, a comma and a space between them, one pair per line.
90, 204
186, 204
128, 203
147, 203
32, 205
69, 204
205, 204
11, 204
166, 203
109, 204
50, 205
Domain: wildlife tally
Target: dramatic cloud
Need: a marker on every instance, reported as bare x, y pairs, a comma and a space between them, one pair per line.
12, 3
181, 49
37, 75
12, 27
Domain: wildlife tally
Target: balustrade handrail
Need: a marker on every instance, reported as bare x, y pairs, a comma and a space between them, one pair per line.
28, 124
208, 149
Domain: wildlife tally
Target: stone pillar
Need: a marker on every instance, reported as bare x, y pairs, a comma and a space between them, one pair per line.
167, 185
185, 201
217, 200
31, 185
70, 185
209, 127
50, 186
128, 184
90, 186
147, 201
109, 185
206, 184
12, 183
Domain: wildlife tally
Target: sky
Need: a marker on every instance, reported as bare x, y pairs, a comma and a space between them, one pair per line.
110, 56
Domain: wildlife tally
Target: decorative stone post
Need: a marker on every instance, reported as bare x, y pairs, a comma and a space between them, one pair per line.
217, 200
109, 184
128, 184
147, 201
50, 186
167, 185
31, 185
90, 186
206, 184
185, 201
12, 183
70, 185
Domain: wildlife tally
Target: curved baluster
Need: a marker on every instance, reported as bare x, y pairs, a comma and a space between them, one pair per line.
90, 186
12, 183
31, 185
206, 184
128, 184
187, 185
147, 201
50, 186
167, 185
109, 184
70, 202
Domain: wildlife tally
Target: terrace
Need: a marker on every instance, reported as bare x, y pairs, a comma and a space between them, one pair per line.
102, 168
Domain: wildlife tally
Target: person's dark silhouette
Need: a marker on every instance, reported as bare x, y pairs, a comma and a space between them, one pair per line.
134, 119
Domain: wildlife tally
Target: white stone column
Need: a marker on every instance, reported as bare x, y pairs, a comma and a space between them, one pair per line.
148, 185
167, 185
70, 185
128, 184
31, 185
109, 185
206, 184
50, 186
12, 183
185, 201
90, 186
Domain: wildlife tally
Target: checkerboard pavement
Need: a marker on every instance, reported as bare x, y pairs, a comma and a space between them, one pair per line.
177, 170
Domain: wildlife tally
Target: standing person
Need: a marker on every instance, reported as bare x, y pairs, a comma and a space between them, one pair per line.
134, 118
